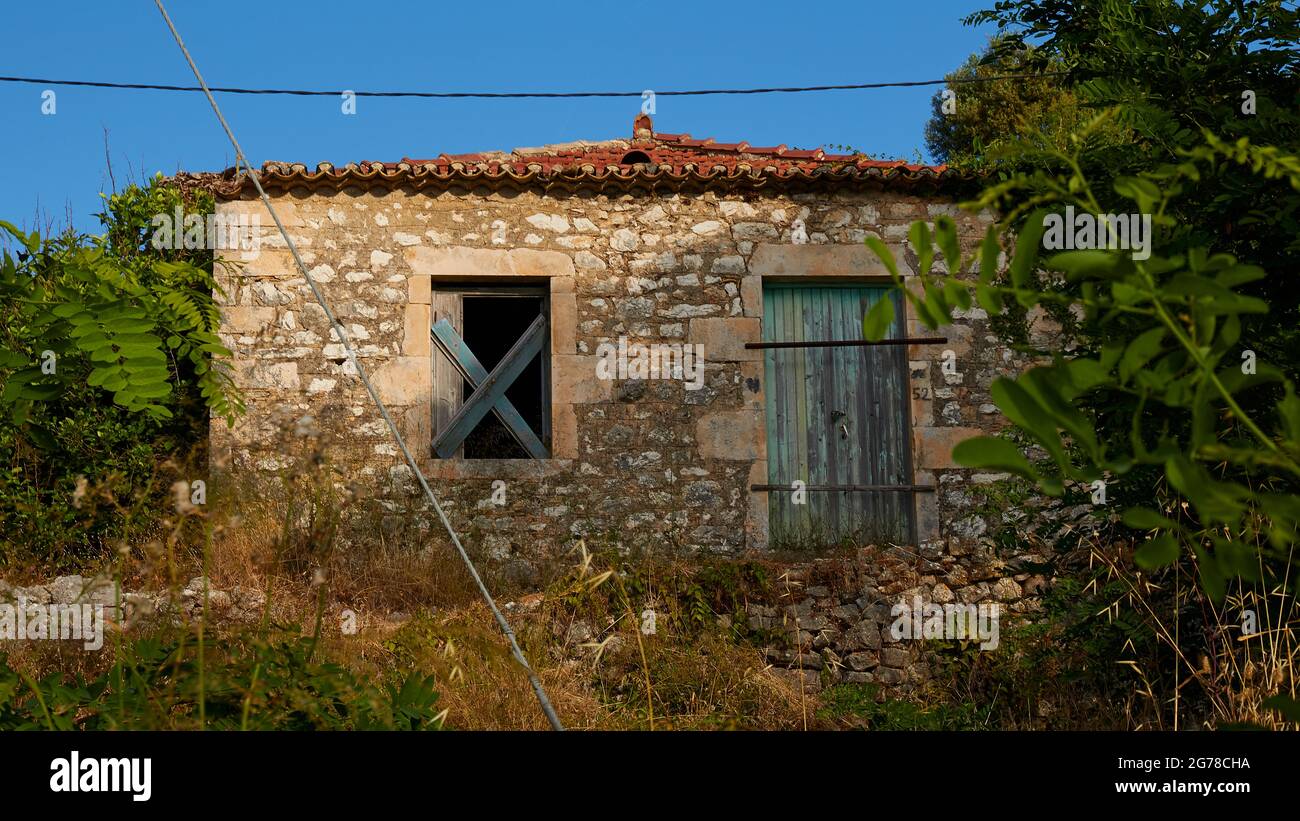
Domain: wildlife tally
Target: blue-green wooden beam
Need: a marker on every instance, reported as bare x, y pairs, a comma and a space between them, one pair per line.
489, 388
473, 372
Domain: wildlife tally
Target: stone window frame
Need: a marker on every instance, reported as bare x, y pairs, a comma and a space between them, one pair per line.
499, 289
570, 374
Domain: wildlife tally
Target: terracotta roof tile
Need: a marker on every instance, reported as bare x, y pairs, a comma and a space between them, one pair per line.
676, 161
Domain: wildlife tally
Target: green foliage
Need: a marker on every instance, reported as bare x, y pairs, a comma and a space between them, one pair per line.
1167, 331
1155, 392
1143, 385
1065, 670
130, 218
256, 683
133, 369
42, 518
861, 705
1170, 68
1168, 73
687, 599
988, 120
136, 332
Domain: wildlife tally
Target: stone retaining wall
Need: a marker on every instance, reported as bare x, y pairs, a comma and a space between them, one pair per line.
831, 618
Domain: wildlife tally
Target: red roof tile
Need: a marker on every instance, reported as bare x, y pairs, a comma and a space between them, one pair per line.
675, 160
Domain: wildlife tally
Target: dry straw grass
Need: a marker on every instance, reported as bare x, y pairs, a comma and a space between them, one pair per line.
1235, 672
314, 547
615, 678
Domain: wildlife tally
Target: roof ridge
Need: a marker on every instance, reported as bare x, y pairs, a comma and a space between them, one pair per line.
645, 138
647, 159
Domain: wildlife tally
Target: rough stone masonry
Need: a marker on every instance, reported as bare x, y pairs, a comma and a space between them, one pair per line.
659, 239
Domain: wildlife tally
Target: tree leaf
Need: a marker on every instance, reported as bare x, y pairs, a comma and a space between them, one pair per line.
1158, 552
877, 247
1080, 264
1027, 248
989, 251
989, 299
1214, 501
1020, 407
1144, 518
919, 236
879, 320
945, 235
1140, 351
992, 452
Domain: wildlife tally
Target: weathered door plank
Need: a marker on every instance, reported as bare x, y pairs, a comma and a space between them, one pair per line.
446, 306
806, 441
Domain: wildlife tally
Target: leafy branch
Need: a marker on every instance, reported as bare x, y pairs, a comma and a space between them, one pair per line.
1163, 327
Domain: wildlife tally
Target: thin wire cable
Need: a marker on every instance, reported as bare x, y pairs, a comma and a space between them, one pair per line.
361, 372
514, 95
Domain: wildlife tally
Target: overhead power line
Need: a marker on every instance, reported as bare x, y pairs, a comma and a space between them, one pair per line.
513, 95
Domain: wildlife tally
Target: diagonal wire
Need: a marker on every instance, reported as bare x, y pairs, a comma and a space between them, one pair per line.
361, 372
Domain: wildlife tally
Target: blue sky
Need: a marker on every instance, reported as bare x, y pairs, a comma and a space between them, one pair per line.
57, 162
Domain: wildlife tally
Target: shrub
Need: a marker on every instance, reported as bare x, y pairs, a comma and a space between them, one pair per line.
109, 365
250, 682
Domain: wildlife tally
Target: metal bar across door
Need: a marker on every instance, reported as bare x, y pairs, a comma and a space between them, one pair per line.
845, 343
846, 488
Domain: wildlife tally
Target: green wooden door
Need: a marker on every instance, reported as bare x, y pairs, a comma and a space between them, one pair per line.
835, 416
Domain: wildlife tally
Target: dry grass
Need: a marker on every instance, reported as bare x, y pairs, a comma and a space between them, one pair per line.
710, 683
374, 576
310, 543
480, 685
419, 611
600, 670
1233, 673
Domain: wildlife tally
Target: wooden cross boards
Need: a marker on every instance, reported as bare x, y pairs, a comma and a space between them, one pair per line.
489, 388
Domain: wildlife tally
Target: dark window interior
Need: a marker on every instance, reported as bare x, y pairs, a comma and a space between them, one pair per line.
492, 325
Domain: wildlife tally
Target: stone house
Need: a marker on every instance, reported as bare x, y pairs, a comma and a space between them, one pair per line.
561, 333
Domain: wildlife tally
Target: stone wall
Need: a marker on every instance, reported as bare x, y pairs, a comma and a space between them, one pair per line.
643, 463
830, 618
238, 604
